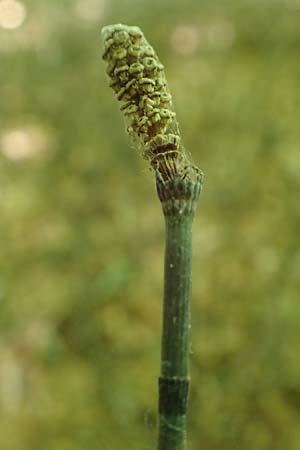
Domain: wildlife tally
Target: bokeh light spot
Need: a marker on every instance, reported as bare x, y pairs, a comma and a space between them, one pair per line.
12, 14
185, 39
293, 4
90, 10
21, 144
218, 33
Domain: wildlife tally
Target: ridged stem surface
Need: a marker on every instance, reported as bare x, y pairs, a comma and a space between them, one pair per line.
178, 198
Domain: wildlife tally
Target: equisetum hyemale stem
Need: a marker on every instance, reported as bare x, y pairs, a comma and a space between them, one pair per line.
178, 198
138, 79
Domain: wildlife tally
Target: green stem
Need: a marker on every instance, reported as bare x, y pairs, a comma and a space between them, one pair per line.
178, 198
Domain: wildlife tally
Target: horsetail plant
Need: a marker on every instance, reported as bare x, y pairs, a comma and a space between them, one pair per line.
138, 79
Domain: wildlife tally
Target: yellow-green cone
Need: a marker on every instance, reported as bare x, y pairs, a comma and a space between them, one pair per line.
138, 79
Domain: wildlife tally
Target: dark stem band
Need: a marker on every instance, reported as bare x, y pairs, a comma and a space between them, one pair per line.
173, 395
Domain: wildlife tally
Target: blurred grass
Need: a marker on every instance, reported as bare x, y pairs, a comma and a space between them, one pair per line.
82, 234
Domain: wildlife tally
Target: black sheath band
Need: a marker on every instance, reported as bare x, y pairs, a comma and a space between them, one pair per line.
173, 395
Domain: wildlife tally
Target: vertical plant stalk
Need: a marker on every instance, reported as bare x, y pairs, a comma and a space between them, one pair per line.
178, 198
138, 79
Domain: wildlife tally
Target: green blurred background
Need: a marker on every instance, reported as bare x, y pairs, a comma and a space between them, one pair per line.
82, 233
